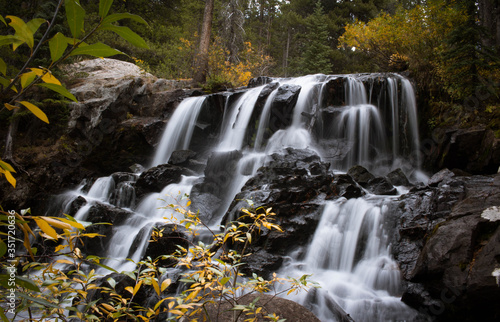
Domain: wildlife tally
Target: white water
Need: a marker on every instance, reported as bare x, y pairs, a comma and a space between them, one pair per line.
179, 129
348, 256
235, 128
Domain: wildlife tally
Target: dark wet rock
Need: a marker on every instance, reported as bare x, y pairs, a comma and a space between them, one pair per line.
259, 81
443, 176
381, 186
104, 217
346, 187
76, 204
285, 309
181, 157
473, 150
282, 107
447, 246
157, 178
165, 241
398, 178
360, 174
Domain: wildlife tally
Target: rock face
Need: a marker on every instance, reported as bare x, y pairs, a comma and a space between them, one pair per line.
157, 178
447, 246
475, 150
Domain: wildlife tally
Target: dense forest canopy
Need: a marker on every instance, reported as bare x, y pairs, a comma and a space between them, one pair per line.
448, 47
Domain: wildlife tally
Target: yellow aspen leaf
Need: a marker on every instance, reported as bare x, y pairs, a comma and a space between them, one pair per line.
10, 107
27, 78
130, 289
166, 283
72, 223
155, 286
64, 261
108, 307
46, 75
9, 177
137, 287
177, 312
56, 223
60, 247
35, 110
45, 227
6, 166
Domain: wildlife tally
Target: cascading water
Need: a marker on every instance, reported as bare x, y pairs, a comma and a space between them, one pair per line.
179, 130
348, 253
349, 257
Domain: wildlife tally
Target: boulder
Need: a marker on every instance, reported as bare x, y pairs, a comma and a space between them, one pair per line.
381, 186
157, 178
360, 174
398, 178
285, 309
447, 246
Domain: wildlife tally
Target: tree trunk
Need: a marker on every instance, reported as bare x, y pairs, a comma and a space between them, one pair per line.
201, 65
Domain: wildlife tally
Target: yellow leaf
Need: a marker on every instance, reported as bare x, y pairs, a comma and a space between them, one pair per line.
35, 110
155, 286
130, 289
10, 107
56, 223
9, 177
166, 283
177, 312
27, 78
6, 166
64, 261
72, 223
45, 227
108, 307
60, 247
46, 75
137, 287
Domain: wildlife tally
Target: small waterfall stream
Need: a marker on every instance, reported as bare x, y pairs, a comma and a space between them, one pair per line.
348, 253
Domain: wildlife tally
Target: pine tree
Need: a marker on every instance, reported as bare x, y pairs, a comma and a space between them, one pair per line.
316, 52
467, 55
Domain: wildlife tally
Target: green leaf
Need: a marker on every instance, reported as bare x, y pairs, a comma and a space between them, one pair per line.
119, 16
37, 300
127, 34
3, 67
2, 311
106, 267
59, 89
23, 32
57, 45
34, 24
3, 248
75, 15
104, 6
6, 166
4, 81
96, 50
27, 283
224, 280
7, 40
41, 115
27, 78
3, 20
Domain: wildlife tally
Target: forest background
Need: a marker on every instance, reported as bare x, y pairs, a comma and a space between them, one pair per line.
449, 48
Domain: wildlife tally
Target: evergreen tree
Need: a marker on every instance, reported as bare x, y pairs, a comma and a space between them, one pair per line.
316, 51
467, 56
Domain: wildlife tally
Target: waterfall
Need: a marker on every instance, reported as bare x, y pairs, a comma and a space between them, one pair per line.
236, 126
349, 257
179, 130
343, 119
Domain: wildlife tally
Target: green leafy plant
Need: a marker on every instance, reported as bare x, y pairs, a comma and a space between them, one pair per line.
15, 85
